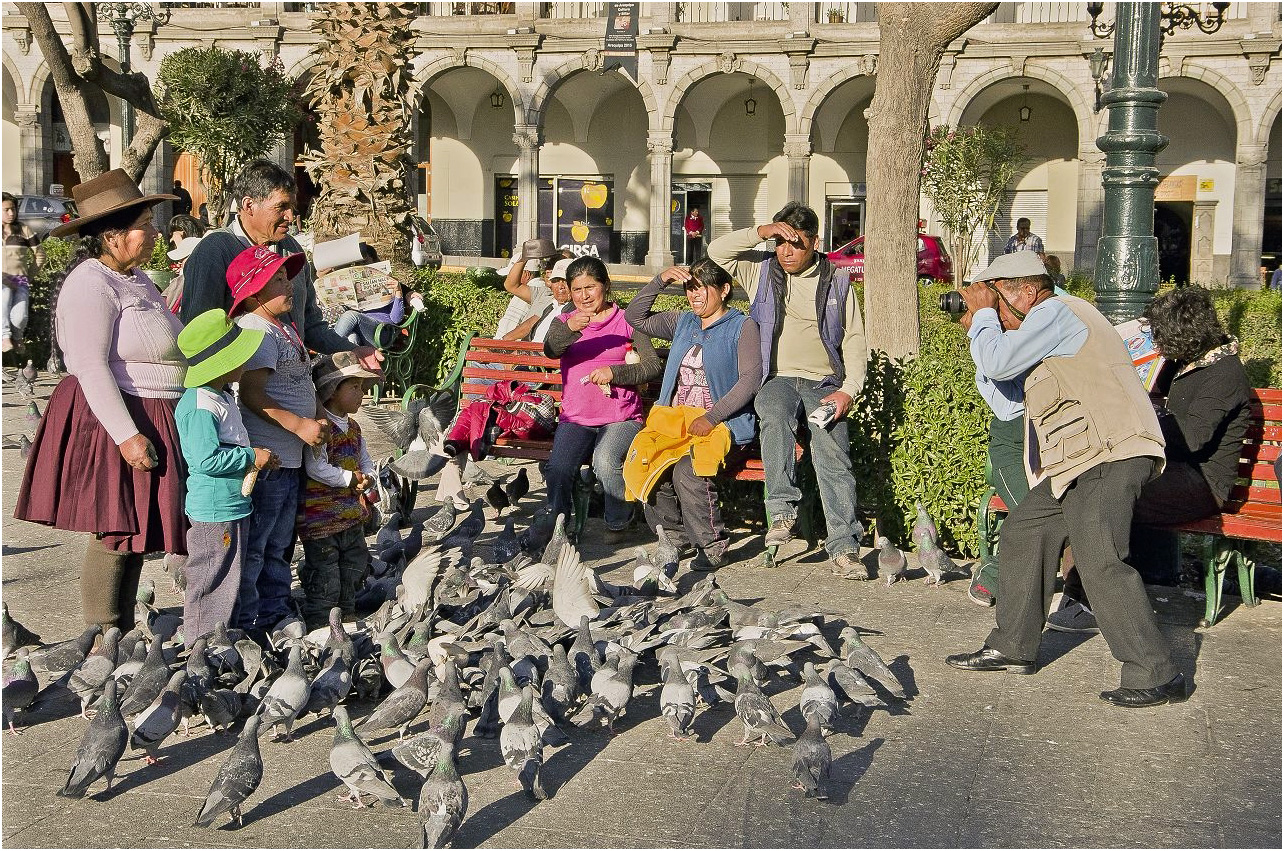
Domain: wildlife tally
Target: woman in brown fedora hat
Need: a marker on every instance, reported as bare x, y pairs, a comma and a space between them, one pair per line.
105, 459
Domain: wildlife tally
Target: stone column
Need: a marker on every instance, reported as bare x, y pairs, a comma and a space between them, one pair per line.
1201, 243
801, 17
798, 150
526, 138
1246, 225
656, 16
34, 167
527, 14
1092, 197
659, 255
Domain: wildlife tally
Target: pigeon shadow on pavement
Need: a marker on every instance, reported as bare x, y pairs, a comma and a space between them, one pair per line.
481, 825
846, 771
901, 668
176, 754
16, 551
297, 794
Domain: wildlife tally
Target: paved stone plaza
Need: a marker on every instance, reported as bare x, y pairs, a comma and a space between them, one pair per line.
972, 761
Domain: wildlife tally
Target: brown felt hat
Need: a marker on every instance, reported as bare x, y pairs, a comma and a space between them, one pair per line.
104, 195
538, 249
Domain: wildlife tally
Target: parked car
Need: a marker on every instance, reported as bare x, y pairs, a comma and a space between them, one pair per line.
43, 213
933, 260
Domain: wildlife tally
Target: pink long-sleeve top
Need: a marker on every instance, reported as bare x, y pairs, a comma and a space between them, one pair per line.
118, 337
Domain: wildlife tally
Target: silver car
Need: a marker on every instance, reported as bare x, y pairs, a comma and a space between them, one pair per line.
43, 213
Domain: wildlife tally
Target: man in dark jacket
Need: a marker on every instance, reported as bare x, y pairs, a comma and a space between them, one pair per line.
264, 193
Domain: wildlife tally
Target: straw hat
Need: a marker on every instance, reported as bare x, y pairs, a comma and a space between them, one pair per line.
104, 195
332, 371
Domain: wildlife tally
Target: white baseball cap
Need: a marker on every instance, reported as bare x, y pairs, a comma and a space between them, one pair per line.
184, 249
559, 270
531, 266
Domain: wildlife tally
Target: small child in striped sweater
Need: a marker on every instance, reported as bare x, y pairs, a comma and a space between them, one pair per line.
332, 511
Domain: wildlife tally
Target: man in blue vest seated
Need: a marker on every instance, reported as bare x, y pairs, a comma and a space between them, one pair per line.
813, 359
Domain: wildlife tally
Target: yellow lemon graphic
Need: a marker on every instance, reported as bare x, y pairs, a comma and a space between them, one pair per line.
508, 217
593, 195
673, 205
609, 221
579, 231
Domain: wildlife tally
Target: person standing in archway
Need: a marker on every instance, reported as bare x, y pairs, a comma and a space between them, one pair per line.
694, 227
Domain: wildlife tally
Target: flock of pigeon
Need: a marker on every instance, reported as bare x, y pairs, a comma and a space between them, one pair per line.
528, 643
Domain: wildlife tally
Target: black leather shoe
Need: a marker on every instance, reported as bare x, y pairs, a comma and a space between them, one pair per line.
989, 659
1173, 691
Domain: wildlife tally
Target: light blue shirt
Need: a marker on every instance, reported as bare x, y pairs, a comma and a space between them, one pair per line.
1004, 358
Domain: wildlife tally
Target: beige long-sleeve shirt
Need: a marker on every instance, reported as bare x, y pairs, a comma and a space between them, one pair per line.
799, 352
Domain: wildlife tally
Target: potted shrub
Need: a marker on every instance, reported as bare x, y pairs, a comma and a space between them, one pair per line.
158, 268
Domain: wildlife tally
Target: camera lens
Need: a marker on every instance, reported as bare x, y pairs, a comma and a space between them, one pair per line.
952, 303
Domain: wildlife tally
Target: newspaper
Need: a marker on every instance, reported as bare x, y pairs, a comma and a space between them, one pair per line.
354, 288
1141, 348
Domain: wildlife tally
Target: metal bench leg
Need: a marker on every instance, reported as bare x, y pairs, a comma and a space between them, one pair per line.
987, 528
581, 497
1247, 579
769, 554
1217, 557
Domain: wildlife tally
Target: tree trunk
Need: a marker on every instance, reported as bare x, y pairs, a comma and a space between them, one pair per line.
89, 155
912, 38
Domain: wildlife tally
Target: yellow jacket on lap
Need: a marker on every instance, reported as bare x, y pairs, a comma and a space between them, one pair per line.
664, 441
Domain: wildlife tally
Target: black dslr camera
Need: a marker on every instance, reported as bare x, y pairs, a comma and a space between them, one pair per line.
953, 304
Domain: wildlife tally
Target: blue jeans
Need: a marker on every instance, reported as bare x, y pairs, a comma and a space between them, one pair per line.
357, 327
264, 597
572, 443
779, 404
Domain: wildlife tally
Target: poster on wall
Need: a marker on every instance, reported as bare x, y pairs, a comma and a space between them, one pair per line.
586, 216
622, 38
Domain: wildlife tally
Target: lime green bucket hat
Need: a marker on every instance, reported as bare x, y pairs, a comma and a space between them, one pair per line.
214, 346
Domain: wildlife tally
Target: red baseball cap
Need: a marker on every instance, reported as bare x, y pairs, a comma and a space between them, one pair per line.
254, 267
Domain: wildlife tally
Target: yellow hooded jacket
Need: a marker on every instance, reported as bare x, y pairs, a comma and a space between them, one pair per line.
663, 441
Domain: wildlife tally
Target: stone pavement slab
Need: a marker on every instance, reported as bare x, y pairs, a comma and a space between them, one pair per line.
971, 761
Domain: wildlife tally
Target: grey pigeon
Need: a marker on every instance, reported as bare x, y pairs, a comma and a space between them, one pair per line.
443, 802
677, 702
154, 724
553, 546
441, 522
125, 671
100, 749
147, 683
561, 687
221, 707
666, 551
251, 661
849, 684
423, 419
24, 446
522, 747
935, 562
20, 689
414, 540
176, 567
287, 697
89, 678
33, 414
403, 706
761, 719
65, 655
505, 547
891, 561
467, 531
860, 656
25, 380
330, 687
388, 538
237, 778
14, 634
517, 487
811, 761
583, 656
649, 575
924, 529
396, 667
419, 753
338, 641
818, 700
611, 689
354, 765
449, 700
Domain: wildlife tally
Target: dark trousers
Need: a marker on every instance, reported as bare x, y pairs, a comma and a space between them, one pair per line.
687, 506
607, 446
1094, 515
332, 569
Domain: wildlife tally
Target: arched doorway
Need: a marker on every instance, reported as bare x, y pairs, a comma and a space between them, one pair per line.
12, 140
840, 148
1271, 221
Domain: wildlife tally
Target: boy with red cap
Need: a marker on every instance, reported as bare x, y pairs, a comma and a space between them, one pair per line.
280, 410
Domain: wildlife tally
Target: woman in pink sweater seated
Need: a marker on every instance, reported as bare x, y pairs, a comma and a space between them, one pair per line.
601, 408
105, 459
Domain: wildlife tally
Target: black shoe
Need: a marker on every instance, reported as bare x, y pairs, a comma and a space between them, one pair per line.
1173, 691
706, 562
989, 659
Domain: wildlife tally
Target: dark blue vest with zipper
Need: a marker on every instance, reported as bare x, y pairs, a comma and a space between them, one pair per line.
832, 292
720, 342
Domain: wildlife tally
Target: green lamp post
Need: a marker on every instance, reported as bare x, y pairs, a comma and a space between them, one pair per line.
1127, 271
123, 17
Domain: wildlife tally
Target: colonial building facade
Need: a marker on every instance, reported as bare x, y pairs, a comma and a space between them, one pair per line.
738, 108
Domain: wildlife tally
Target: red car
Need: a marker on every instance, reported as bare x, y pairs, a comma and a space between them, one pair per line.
933, 260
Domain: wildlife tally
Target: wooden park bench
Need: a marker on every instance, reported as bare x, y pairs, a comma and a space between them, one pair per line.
481, 360
1252, 513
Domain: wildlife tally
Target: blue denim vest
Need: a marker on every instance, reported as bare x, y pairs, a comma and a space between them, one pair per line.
831, 313
721, 366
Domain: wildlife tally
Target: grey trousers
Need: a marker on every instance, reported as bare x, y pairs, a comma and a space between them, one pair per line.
1095, 515
215, 555
687, 506
779, 404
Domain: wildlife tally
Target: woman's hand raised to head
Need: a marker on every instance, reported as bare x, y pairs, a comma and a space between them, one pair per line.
676, 275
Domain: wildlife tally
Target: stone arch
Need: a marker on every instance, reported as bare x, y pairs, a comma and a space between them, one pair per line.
36, 85
808, 114
42, 76
16, 78
469, 59
710, 68
1225, 87
1066, 87
552, 79
1272, 111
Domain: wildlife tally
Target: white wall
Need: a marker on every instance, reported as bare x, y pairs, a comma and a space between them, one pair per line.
1202, 143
